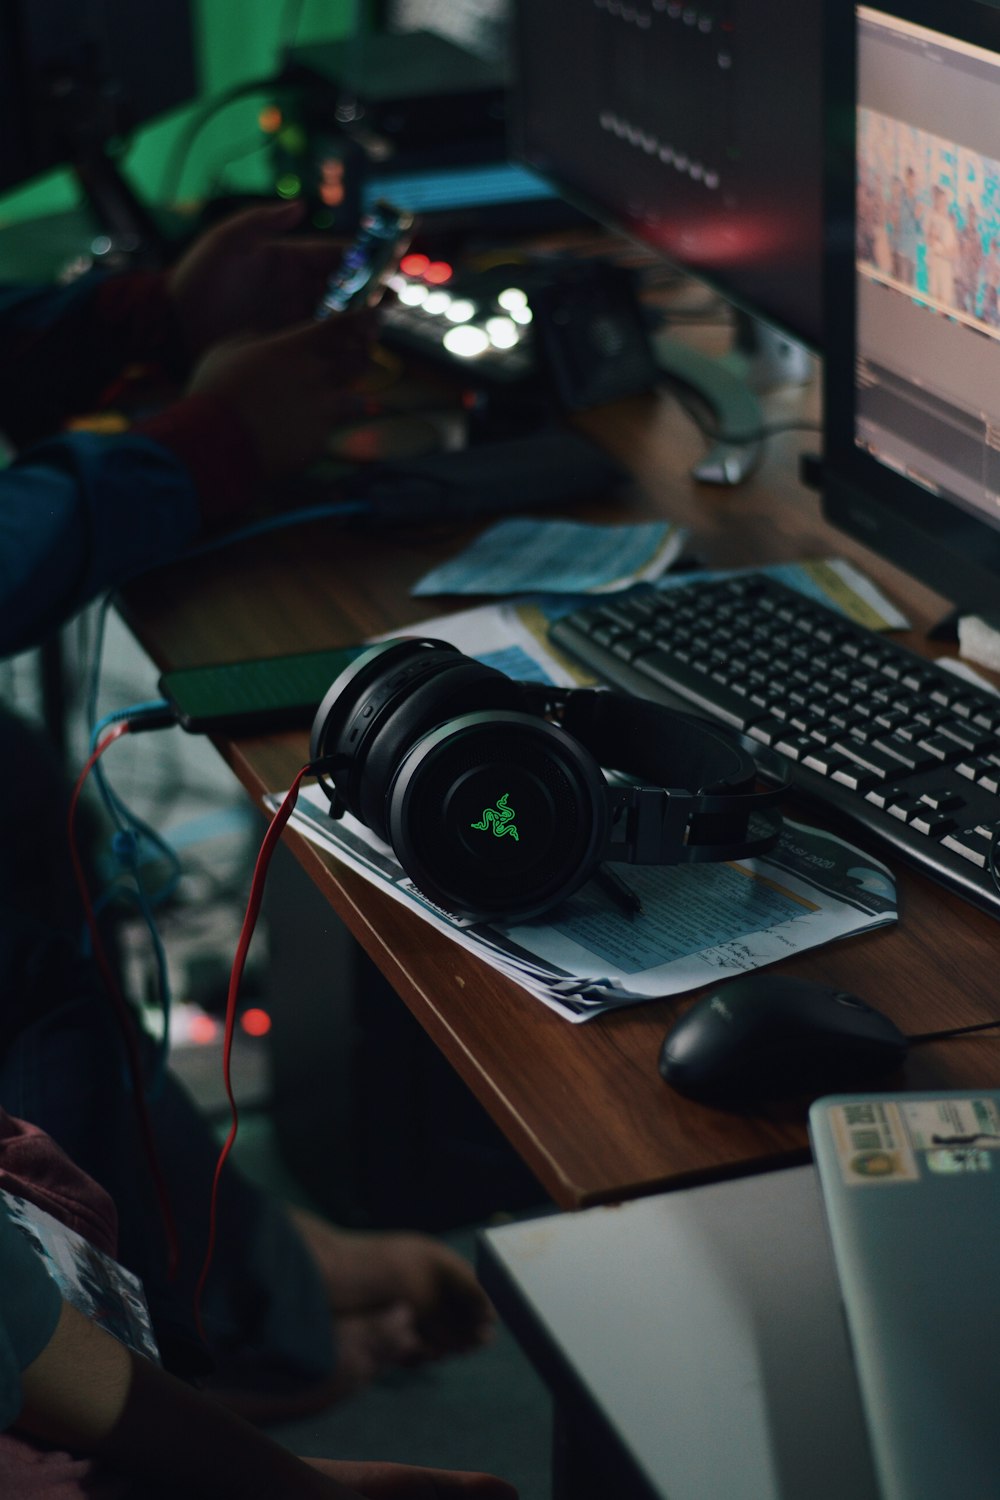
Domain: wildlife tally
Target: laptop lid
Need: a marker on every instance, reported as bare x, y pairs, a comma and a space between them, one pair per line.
911, 1189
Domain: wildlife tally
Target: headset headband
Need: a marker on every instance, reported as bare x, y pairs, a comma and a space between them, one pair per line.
497, 796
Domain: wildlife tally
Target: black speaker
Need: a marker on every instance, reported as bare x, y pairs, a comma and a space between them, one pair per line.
491, 792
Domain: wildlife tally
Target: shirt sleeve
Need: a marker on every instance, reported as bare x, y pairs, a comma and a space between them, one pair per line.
86, 512
63, 345
81, 514
30, 1305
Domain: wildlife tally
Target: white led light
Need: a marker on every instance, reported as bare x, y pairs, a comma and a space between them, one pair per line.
461, 310
521, 315
412, 293
512, 297
502, 333
437, 302
466, 341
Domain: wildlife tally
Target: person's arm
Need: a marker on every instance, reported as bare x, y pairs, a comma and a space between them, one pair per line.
29, 1310
85, 1392
79, 514
64, 345
88, 1394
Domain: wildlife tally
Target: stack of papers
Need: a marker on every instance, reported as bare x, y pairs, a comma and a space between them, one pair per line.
698, 924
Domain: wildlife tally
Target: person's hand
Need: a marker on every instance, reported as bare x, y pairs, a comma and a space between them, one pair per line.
289, 389
242, 276
379, 1481
364, 1272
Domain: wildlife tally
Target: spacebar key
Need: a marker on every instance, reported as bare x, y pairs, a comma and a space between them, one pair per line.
710, 698
877, 762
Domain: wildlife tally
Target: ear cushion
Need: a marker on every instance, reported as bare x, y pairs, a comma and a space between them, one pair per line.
457, 687
368, 683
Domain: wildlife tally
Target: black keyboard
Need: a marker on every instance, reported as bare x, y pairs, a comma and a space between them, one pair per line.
905, 750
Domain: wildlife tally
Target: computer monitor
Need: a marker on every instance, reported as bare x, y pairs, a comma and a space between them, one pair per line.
77, 75
911, 463
697, 130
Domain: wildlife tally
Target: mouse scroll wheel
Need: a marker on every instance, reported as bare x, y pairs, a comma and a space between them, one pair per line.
843, 998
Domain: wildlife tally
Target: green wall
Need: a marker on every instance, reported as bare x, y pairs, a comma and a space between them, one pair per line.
238, 41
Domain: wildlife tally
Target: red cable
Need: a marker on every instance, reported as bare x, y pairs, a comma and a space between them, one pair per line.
267, 848
120, 1004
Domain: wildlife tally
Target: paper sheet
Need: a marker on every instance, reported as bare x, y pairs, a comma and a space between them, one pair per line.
573, 557
699, 923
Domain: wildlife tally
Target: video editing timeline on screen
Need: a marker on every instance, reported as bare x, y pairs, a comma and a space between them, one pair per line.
928, 259
912, 404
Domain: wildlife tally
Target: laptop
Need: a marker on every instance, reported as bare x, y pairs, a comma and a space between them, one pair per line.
911, 1189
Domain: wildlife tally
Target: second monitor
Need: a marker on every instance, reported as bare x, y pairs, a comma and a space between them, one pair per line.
694, 128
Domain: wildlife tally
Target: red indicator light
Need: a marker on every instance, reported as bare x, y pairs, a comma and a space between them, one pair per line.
414, 265
438, 272
255, 1022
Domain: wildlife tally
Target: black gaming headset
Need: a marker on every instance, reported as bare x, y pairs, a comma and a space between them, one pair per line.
491, 791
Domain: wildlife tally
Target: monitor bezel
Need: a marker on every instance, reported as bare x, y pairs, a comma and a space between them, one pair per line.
952, 551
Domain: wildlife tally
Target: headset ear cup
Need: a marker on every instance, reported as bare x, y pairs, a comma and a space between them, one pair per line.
357, 705
458, 687
370, 678
498, 815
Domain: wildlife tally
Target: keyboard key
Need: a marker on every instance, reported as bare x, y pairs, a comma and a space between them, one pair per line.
970, 844
934, 825
942, 799
876, 761
911, 755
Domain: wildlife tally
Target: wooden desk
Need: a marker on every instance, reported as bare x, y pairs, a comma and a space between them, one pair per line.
583, 1105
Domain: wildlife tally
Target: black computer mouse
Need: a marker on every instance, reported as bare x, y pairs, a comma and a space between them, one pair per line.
765, 1037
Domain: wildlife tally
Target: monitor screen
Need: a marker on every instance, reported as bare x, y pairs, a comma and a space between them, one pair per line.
913, 365
695, 129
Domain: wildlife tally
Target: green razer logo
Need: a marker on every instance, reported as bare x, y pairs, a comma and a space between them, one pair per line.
499, 818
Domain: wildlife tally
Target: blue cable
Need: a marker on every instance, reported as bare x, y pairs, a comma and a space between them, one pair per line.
131, 830
127, 846
329, 510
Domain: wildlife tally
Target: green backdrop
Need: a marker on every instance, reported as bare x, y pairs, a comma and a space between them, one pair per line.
238, 41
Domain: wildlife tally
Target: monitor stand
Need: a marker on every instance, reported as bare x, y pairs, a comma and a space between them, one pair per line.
761, 360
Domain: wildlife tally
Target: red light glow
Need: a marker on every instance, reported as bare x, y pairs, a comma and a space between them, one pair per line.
414, 265
255, 1022
438, 272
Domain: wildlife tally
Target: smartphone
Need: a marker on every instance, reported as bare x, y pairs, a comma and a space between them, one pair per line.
371, 257
254, 697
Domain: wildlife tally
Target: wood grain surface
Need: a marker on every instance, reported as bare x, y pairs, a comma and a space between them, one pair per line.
583, 1104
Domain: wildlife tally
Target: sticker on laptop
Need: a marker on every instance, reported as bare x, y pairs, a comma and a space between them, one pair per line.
955, 1123
964, 1159
872, 1143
